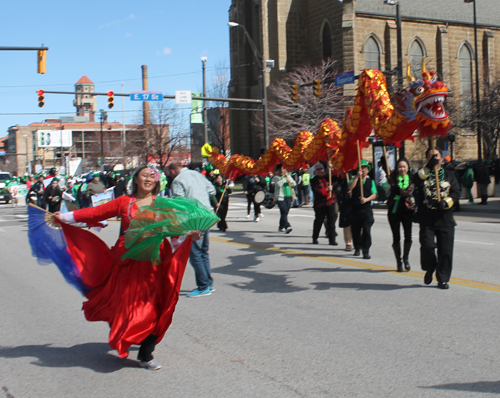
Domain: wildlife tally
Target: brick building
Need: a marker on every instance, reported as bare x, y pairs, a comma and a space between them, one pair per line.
362, 34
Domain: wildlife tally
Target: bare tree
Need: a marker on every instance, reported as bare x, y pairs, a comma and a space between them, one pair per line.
286, 118
218, 116
161, 139
465, 115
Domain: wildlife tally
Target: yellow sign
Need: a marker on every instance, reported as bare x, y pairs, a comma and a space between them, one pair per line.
40, 152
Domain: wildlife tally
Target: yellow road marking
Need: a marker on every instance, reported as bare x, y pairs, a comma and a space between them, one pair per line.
353, 263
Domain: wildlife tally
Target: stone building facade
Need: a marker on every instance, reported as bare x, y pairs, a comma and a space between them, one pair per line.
362, 34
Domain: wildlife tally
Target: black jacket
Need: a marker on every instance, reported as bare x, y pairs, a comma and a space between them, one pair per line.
427, 213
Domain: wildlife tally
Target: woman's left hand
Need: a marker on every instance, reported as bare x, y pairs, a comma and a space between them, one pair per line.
196, 235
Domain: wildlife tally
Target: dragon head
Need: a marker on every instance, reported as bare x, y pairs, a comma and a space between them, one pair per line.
424, 100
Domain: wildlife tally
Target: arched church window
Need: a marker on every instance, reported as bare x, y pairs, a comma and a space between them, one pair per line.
465, 69
327, 41
372, 54
416, 57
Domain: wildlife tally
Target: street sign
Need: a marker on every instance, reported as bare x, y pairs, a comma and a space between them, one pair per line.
344, 78
40, 152
146, 95
2, 153
183, 97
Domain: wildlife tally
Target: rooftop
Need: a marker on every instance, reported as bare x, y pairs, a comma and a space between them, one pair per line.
84, 80
488, 11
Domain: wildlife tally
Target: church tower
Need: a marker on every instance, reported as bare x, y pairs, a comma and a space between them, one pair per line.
86, 105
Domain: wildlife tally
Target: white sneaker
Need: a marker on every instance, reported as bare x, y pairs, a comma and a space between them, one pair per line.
257, 219
261, 215
288, 230
150, 365
248, 216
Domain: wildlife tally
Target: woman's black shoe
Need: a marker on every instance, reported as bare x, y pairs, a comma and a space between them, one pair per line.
357, 252
407, 264
428, 277
443, 285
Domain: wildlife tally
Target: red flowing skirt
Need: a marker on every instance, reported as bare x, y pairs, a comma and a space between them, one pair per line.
135, 298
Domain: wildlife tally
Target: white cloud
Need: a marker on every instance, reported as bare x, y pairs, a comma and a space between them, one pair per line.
117, 23
167, 50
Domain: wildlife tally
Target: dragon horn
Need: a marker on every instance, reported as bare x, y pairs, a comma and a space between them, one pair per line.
408, 73
425, 75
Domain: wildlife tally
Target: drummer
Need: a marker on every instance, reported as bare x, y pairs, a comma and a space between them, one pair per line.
253, 184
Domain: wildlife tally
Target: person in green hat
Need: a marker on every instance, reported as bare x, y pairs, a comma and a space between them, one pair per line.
362, 213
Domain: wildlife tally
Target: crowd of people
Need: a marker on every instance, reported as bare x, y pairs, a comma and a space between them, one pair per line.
427, 196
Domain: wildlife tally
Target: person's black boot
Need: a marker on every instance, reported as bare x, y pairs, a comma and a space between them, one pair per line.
406, 255
397, 253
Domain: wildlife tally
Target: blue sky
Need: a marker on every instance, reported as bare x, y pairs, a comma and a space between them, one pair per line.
108, 41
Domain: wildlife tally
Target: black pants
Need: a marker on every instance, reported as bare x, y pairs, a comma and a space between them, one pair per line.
256, 206
440, 238
395, 220
362, 221
284, 206
147, 347
321, 213
222, 213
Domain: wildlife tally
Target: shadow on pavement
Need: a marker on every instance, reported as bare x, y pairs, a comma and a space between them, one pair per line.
244, 266
93, 356
478, 386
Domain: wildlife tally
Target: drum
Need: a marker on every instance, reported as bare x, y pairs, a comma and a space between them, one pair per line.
268, 201
259, 197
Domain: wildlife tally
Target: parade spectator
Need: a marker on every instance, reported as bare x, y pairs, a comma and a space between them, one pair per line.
52, 196
30, 182
345, 211
38, 188
94, 186
297, 177
401, 205
435, 215
324, 205
483, 180
283, 195
468, 182
306, 186
191, 184
362, 214
119, 185
381, 182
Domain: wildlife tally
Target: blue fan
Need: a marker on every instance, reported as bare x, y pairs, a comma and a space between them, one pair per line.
48, 245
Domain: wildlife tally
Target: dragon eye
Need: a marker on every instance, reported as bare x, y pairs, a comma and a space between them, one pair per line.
419, 90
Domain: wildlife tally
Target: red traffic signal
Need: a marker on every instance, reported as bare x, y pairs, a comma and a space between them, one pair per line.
41, 98
111, 99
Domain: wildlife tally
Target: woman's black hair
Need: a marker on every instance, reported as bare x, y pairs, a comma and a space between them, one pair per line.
404, 160
431, 149
156, 188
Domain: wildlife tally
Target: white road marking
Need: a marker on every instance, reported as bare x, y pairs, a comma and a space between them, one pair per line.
476, 243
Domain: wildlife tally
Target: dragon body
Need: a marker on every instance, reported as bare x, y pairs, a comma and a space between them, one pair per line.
417, 107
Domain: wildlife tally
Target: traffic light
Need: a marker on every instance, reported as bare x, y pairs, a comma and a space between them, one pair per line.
42, 61
41, 98
111, 99
317, 88
295, 92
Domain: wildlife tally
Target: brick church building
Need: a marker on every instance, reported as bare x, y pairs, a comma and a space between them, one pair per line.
361, 34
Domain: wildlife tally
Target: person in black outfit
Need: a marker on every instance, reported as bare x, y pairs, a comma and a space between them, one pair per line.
52, 196
251, 185
362, 214
221, 210
119, 184
483, 180
324, 205
435, 215
38, 188
401, 205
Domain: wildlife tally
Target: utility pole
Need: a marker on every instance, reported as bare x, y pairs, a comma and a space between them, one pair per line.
203, 62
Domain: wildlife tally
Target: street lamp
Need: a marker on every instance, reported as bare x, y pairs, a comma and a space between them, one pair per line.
262, 66
478, 104
400, 57
103, 118
203, 62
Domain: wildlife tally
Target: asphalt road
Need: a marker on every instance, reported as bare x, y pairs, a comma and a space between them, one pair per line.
288, 319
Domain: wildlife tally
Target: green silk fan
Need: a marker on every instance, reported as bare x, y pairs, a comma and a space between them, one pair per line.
164, 218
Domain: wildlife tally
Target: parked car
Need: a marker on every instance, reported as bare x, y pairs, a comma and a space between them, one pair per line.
4, 193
